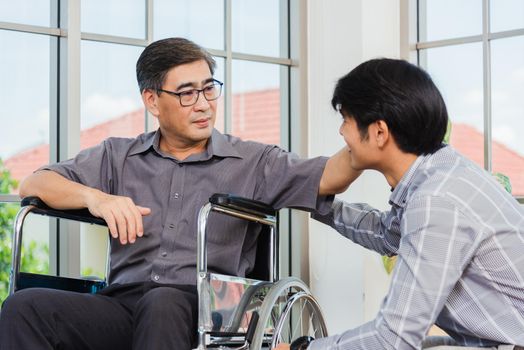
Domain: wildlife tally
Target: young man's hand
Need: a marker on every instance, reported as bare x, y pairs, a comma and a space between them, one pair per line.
122, 215
301, 343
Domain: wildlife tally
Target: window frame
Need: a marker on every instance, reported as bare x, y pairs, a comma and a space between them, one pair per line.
414, 9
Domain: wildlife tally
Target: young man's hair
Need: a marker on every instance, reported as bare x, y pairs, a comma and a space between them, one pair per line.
399, 93
162, 55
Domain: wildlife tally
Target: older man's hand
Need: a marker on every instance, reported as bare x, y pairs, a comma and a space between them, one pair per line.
282, 346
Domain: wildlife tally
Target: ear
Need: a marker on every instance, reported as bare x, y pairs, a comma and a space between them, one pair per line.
381, 133
150, 99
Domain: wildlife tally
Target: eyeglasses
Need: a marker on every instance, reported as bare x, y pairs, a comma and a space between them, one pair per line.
188, 98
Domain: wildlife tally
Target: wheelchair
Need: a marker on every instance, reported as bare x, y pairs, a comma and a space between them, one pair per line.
253, 312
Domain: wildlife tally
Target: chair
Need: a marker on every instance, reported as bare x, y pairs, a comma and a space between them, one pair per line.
256, 312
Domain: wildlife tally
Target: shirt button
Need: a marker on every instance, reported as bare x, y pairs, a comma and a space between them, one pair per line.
156, 277
164, 254
176, 195
171, 226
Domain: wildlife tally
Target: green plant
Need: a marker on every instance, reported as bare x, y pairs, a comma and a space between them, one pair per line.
34, 254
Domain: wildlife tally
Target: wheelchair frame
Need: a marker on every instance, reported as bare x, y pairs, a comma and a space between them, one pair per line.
258, 304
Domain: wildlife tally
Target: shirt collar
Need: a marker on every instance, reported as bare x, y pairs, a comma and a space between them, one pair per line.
218, 145
415, 174
400, 192
145, 142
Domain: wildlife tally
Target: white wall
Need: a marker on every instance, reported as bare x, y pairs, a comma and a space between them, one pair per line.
349, 281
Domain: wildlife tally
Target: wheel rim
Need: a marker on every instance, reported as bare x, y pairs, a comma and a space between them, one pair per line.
301, 316
279, 305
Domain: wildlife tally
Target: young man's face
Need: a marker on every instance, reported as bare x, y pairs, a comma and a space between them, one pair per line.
359, 148
186, 126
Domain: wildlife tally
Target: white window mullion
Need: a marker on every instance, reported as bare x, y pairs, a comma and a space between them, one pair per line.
69, 125
486, 72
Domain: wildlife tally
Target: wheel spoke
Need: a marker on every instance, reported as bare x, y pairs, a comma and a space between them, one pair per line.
294, 334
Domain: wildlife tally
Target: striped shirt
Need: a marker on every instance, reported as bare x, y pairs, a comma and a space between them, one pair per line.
459, 237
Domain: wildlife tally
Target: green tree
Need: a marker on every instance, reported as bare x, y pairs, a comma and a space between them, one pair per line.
34, 254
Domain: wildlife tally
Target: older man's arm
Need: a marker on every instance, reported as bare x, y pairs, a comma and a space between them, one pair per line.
123, 216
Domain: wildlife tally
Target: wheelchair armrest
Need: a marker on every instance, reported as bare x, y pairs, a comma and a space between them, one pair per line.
41, 208
20, 280
79, 285
246, 205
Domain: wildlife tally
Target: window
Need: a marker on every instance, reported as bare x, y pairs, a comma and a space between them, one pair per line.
25, 93
123, 18
31, 12
256, 27
69, 85
188, 19
110, 103
474, 50
256, 101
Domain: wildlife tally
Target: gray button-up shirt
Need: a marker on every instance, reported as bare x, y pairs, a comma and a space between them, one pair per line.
459, 237
175, 190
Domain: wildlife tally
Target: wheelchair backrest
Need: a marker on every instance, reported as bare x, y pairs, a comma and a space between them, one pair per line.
261, 269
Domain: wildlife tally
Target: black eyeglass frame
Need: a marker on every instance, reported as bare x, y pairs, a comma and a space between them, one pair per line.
179, 94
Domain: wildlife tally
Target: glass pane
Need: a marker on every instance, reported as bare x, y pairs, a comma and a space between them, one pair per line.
35, 244
256, 101
461, 86
93, 250
200, 21
32, 12
508, 110
256, 27
507, 15
116, 17
110, 100
445, 19
25, 64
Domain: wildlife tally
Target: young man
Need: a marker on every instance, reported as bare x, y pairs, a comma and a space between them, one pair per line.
149, 190
458, 235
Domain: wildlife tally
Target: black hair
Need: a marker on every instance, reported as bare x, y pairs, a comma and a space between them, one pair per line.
162, 55
399, 93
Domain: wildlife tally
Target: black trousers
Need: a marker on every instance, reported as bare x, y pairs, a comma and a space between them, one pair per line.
133, 316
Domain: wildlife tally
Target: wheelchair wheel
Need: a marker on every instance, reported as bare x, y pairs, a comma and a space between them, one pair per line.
289, 311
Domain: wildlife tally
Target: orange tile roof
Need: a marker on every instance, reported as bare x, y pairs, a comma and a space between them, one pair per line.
256, 116
25, 162
470, 142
